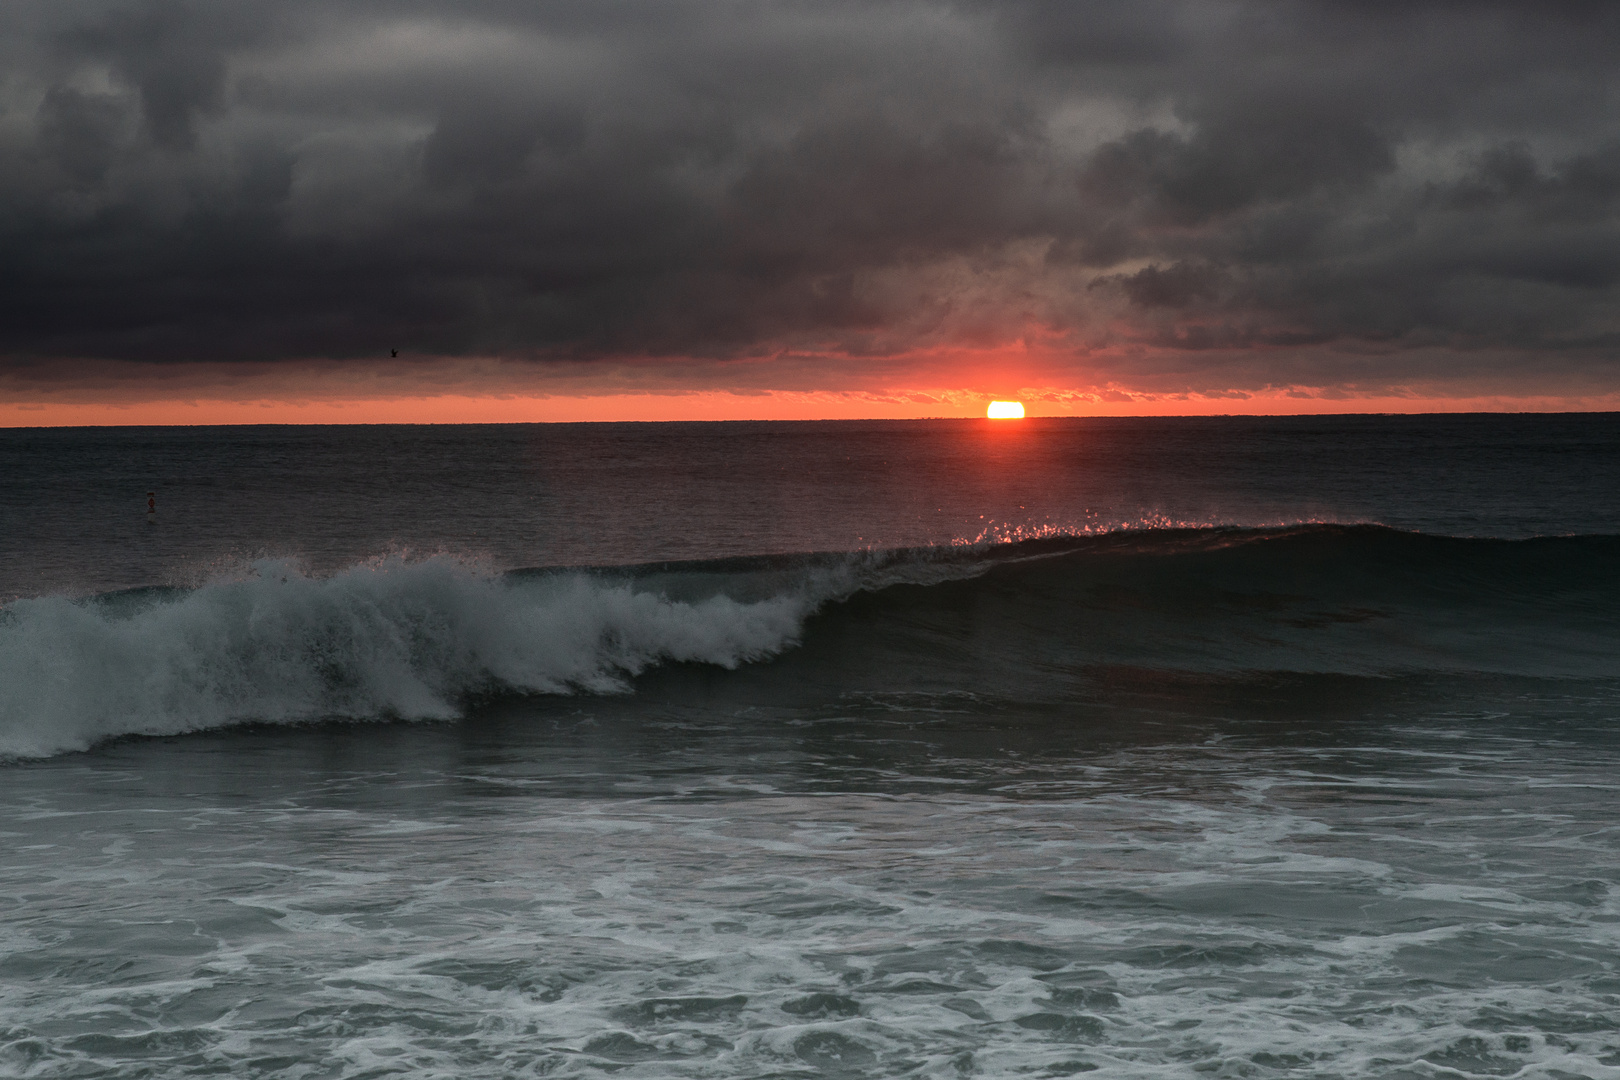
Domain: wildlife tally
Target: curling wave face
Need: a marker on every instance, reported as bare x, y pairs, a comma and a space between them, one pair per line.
420, 640
409, 640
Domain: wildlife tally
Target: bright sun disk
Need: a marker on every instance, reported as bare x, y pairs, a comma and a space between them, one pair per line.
1005, 410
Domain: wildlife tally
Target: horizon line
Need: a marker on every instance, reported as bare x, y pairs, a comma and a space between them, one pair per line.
822, 420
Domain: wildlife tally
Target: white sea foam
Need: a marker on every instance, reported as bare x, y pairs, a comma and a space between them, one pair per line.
821, 934
390, 638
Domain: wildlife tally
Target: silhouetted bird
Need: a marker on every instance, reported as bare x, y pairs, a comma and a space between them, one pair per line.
393, 352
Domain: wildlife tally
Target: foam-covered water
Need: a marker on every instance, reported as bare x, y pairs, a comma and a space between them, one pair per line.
727, 902
1138, 757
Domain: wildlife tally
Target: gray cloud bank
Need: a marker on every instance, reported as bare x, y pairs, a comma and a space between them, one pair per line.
1209, 194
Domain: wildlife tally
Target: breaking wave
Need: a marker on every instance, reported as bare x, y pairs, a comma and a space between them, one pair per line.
422, 639
410, 640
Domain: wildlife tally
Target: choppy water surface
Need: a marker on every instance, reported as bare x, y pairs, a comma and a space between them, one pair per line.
881, 893
1259, 748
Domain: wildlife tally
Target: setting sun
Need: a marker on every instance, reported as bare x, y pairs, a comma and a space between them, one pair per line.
1005, 410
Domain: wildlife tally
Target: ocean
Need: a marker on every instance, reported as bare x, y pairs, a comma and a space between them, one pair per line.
1230, 747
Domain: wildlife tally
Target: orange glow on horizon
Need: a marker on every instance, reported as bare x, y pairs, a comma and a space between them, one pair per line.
475, 408
1005, 410
1038, 379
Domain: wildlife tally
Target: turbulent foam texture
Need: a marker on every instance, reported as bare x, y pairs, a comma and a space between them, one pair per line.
386, 639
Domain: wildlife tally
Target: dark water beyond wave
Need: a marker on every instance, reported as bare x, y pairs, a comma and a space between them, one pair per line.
1034, 621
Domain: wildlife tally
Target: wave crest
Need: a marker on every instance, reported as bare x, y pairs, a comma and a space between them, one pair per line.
391, 638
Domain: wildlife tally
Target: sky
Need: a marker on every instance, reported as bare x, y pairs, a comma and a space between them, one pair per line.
241, 210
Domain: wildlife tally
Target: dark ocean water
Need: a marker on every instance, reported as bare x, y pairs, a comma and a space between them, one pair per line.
1238, 747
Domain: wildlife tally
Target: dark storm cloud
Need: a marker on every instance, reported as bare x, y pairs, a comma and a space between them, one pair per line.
290, 179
